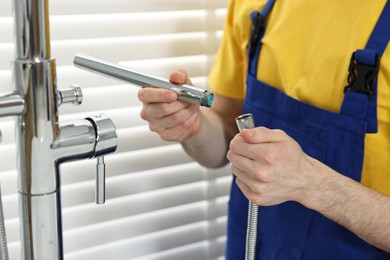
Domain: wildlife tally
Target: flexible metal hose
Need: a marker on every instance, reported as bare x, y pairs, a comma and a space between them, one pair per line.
251, 231
246, 121
3, 237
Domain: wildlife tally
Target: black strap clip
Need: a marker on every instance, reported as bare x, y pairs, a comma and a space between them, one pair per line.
362, 77
258, 25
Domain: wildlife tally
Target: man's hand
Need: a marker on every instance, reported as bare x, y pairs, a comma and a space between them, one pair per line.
271, 168
172, 119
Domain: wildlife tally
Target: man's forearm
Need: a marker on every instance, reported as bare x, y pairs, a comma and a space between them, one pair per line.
209, 145
362, 210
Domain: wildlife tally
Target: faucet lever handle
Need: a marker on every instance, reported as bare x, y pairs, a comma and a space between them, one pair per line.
100, 190
106, 141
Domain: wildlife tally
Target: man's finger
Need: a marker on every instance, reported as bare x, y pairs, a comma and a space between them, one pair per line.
263, 135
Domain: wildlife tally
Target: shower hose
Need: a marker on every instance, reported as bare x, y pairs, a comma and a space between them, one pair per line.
3, 237
246, 121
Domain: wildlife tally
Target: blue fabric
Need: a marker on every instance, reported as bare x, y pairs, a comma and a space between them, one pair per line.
289, 230
376, 45
381, 34
367, 109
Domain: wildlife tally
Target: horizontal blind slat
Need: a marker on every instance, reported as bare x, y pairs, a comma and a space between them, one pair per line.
134, 226
132, 205
107, 25
132, 48
192, 251
129, 184
116, 6
142, 245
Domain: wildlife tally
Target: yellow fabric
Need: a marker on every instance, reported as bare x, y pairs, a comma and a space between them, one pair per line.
305, 53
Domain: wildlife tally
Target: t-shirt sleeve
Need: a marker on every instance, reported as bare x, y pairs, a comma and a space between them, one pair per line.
228, 74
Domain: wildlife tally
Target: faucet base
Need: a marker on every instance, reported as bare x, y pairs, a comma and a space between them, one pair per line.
41, 234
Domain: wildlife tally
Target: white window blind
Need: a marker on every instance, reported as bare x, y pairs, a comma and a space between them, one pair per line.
159, 203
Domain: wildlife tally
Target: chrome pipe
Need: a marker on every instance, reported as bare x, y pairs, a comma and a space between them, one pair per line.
11, 105
246, 121
31, 27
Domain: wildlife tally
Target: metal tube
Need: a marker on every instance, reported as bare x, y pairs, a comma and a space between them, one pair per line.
100, 181
32, 32
74, 96
185, 92
246, 121
41, 224
3, 237
11, 105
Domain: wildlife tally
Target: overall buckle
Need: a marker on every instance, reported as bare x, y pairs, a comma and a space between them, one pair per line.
258, 25
362, 77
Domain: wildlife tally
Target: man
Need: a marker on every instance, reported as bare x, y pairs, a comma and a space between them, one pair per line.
316, 77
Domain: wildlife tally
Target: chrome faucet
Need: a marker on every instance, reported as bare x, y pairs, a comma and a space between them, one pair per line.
42, 142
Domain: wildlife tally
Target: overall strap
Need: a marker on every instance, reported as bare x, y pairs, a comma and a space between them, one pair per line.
381, 34
257, 33
360, 99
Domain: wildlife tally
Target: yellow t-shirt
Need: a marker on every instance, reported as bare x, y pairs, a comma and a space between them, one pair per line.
306, 52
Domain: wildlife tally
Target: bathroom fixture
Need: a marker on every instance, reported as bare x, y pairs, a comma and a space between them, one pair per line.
42, 142
186, 93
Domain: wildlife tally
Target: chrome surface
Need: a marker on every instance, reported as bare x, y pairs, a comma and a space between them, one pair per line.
74, 96
107, 139
11, 105
100, 190
185, 92
42, 142
246, 121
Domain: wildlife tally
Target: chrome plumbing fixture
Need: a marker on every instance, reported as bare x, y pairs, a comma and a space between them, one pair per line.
3, 237
246, 121
74, 96
42, 142
186, 93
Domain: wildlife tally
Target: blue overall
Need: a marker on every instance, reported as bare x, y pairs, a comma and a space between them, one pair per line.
290, 230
